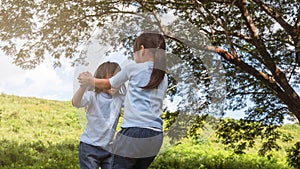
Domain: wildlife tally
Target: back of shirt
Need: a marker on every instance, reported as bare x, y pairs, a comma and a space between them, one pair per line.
142, 107
102, 116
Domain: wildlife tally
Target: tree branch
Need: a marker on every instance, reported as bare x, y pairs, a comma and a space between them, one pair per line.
294, 31
252, 93
232, 59
270, 82
212, 31
227, 33
252, 52
219, 1
271, 12
297, 24
297, 45
279, 76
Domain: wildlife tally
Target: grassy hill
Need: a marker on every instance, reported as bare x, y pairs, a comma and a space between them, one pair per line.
39, 133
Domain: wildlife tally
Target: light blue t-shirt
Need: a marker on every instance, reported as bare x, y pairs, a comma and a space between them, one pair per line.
102, 116
142, 107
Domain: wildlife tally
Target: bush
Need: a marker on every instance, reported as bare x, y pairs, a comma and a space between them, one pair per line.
188, 156
37, 155
293, 155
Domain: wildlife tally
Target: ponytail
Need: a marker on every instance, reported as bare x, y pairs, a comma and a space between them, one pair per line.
158, 71
156, 44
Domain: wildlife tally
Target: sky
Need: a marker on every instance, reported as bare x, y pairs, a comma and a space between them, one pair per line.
42, 82
47, 82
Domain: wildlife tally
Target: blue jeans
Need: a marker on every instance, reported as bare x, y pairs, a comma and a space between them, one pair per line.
125, 159
92, 157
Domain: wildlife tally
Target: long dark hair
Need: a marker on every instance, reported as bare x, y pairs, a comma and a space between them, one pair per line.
156, 44
106, 70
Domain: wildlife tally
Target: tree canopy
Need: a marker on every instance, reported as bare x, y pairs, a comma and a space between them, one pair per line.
258, 40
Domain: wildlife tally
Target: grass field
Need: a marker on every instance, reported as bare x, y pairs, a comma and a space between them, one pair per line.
38, 133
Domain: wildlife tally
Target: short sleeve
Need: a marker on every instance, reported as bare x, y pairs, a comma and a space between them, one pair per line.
86, 99
120, 78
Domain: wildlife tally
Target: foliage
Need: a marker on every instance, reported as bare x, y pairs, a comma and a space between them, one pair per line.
257, 40
38, 133
294, 155
188, 126
246, 29
38, 154
242, 134
206, 156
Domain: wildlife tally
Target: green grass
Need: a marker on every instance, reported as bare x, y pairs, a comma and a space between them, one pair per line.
212, 155
38, 133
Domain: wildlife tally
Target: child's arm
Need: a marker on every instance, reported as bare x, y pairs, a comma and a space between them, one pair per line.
88, 79
101, 83
76, 100
77, 97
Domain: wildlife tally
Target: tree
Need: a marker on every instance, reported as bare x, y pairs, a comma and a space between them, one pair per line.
259, 41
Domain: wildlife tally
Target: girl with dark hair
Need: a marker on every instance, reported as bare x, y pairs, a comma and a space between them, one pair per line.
102, 116
141, 135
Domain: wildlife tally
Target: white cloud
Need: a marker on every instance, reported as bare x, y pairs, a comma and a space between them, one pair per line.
43, 82
46, 82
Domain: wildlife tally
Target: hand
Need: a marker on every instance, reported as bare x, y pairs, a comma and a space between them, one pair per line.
85, 79
113, 91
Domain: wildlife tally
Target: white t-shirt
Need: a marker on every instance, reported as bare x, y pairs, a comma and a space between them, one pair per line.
142, 107
102, 116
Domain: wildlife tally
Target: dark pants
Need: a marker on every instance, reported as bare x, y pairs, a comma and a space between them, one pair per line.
92, 157
136, 148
